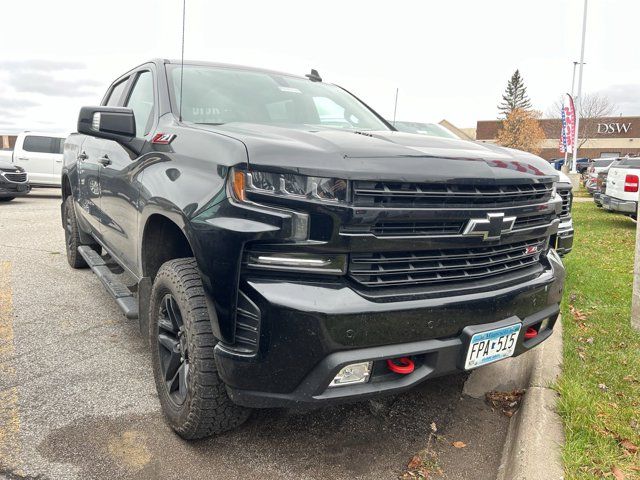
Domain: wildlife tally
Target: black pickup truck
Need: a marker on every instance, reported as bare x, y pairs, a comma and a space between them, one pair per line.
281, 244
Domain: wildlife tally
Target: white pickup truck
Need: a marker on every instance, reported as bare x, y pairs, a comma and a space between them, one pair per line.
622, 191
40, 155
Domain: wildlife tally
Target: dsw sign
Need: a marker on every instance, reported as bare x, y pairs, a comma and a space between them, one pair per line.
614, 127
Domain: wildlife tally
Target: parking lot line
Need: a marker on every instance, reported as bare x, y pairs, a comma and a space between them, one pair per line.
9, 414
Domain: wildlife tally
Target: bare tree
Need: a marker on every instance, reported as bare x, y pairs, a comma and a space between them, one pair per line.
592, 107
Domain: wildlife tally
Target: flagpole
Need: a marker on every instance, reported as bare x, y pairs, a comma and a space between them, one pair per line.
579, 96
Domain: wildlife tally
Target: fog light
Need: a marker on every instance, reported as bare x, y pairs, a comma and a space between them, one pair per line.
298, 262
544, 325
354, 373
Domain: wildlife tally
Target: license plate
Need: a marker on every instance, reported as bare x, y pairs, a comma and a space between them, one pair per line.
491, 346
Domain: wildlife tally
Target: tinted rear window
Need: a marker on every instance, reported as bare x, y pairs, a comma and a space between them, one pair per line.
629, 162
602, 163
39, 144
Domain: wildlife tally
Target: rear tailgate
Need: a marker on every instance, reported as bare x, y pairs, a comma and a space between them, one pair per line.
627, 172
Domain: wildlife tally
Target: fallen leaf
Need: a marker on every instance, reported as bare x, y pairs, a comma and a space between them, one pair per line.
507, 402
459, 444
577, 314
603, 387
617, 473
415, 462
629, 446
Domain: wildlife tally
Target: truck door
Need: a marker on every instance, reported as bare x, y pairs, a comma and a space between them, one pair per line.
36, 155
119, 186
89, 185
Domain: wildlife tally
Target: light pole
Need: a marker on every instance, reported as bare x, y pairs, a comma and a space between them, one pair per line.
578, 99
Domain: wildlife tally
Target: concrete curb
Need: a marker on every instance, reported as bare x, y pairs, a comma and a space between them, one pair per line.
534, 441
532, 449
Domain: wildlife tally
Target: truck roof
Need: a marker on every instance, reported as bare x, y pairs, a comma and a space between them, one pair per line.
230, 65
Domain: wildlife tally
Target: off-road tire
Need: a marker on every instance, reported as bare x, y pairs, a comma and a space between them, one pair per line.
72, 236
207, 409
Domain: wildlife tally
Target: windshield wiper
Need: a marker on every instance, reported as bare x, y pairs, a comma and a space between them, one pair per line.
207, 123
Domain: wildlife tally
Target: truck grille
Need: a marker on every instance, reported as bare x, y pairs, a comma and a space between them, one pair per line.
427, 229
442, 266
440, 195
566, 202
439, 228
18, 177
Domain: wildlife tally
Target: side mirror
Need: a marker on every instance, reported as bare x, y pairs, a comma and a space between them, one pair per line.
114, 123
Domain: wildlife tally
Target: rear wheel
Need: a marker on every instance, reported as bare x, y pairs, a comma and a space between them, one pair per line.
192, 396
6, 199
72, 236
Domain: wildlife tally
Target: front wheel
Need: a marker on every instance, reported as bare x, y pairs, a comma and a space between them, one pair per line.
192, 395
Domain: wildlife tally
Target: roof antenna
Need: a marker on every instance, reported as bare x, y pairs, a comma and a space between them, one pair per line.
395, 108
184, 8
314, 76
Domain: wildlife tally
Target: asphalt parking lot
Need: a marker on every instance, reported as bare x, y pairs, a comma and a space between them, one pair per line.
77, 398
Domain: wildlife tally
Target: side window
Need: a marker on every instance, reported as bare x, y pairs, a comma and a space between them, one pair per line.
39, 144
116, 94
141, 102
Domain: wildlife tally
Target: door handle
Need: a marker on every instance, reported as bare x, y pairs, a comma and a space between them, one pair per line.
82, 157
105, 160
23, 158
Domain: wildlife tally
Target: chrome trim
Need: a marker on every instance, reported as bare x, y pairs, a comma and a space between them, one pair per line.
555, 221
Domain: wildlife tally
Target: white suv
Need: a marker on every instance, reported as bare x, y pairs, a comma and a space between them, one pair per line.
40, 154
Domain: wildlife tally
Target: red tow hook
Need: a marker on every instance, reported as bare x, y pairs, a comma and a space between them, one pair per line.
406, 365
530, 333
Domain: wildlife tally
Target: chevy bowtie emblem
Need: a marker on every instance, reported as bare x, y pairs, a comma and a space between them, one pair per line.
490, 228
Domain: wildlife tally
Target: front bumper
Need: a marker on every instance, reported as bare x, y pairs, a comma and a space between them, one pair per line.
564, 237
617, 205
310, 331
13, 189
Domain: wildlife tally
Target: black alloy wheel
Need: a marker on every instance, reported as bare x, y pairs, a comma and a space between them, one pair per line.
192, 395
173, 350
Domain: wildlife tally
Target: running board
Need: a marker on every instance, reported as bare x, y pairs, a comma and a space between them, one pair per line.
118, 290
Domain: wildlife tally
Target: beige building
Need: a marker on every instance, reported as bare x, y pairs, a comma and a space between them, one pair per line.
607, 136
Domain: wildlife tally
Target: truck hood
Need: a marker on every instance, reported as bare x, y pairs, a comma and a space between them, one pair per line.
388, 155
9, 167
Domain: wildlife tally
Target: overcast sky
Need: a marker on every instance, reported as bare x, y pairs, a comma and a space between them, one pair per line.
450, 59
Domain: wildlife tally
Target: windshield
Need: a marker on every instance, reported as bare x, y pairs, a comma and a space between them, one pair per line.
219, 95
431, 129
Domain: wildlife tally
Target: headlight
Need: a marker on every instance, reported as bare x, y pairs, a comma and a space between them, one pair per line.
289, 186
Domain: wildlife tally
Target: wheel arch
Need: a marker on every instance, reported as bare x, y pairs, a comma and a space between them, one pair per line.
163, 239
172, 233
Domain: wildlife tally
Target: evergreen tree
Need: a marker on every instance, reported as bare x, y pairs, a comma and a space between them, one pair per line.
515, 96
